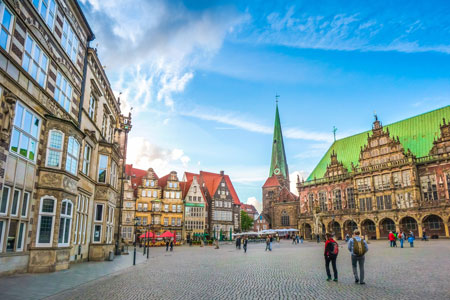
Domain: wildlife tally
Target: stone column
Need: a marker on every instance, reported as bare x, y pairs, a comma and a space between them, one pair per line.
419, 227
342, 232
446, 229
377, 232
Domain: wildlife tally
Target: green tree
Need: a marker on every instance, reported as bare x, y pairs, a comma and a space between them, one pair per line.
246, 221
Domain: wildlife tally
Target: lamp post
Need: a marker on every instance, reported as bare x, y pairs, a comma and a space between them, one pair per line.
148, 240
136, 220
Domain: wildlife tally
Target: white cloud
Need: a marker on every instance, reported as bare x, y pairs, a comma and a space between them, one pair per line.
143, 154
256, 203
293, 179
152, 47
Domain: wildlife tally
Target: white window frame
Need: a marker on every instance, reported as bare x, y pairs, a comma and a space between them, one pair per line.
2, 234
113, 176
93, 233
25, 206
7, 200
31, 61
95, 211
65, 216
8, 31
63, 91
92, 105
48, 11
18, 203
87, 159
74, 157
99, 169
21, 131
47, 214
67, 42
59, 151
22, 241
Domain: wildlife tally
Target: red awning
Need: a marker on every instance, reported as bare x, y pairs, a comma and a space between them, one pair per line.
167, 234
148, 234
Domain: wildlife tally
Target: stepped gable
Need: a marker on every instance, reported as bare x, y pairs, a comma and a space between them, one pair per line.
272, 181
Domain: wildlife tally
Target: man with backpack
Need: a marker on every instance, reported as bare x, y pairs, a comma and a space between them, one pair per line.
358, 248
331, 253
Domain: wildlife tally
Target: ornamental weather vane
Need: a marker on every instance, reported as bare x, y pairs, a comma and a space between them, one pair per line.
334, 132
277, 97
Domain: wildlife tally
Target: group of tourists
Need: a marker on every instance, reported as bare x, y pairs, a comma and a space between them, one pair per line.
401, 236
169, 244
358, 248
296, 239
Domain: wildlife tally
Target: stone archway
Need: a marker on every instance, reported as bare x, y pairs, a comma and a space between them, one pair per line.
434, 226
408, 224
349, 227
335, 228
368, 229
306, 231
386, 225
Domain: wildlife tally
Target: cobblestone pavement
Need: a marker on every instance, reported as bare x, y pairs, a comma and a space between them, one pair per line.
288, 272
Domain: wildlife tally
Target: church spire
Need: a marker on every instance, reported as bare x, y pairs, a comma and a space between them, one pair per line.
278, 164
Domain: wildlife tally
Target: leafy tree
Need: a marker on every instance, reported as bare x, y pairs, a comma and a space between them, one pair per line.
246, 221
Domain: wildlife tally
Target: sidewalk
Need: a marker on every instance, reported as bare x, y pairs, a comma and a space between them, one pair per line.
38, 286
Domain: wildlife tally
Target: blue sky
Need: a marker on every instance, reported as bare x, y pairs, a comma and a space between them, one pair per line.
202, 76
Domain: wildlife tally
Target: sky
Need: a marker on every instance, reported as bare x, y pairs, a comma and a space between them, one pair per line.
200, 77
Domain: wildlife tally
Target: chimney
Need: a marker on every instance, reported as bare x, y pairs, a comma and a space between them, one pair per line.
222, 173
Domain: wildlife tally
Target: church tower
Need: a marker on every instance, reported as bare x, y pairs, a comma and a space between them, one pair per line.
278, 179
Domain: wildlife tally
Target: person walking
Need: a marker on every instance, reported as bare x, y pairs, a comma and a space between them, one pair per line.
267, 243
347, 237
167, 245
301, 239
411, 239
297, 238
171, 244
318, 238
245, 244
391, 239
270, 244
424, 235
358, 248
293, 239
331, 253
402, 238
395, 238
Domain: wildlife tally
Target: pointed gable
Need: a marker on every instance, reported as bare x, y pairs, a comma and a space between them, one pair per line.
278, 163
272, 182
232, 190
162, 182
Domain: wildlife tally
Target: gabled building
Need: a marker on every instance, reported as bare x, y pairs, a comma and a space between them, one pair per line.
280, 205
260, 223
394, 177
223, 204
194, 207
171, 204
250, 210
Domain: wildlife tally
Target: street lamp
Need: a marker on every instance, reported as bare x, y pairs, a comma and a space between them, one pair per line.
148, 240
136, 221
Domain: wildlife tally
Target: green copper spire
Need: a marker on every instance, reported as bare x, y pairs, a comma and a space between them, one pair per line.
278, 164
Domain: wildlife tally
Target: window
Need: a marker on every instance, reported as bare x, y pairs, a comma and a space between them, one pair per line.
323, 201
173, 221
102, 168
87, 159
170, 184
145, 206
92, 105
7, 21
152, 183
26, 199
113, 177
81, 221
98, 213
380, 203
104, 125
46, 222
155, 194
178, 195
337, 200
46, 9
69, 41
35, 61
365, 204
406, 177
97, 233
174, 208
397, 179
54, 148
2, 233
4, 200
65, 223
363, 184
73, 148
25, 133
11, 241
178, 208
166, 207
351, 198
311, 201
63, 91
15, 203
179, 221
166, 221
167, 195
284, 219
428, 186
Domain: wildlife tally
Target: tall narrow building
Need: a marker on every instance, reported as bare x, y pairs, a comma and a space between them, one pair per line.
280, 206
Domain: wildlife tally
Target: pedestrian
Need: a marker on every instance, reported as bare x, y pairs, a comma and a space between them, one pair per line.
238, 242
395, 239
167, 245
293, 239
424, 235
270, 244
245, 244
391, 239
347, 237
318, 238
411, 239
331, 253
358, 248
297, 238
301, 239
402, 237
171, 244
267, 243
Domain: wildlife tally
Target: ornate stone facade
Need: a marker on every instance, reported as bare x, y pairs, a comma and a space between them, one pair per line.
388, 187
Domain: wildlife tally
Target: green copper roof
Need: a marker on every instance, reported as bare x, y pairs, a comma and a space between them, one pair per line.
278, 153
416, 133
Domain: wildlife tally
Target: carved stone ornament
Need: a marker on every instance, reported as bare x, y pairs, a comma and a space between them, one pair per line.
70, 184
50, 179
8, 102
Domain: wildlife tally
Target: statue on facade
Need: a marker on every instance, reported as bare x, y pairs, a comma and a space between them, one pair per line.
7, 110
